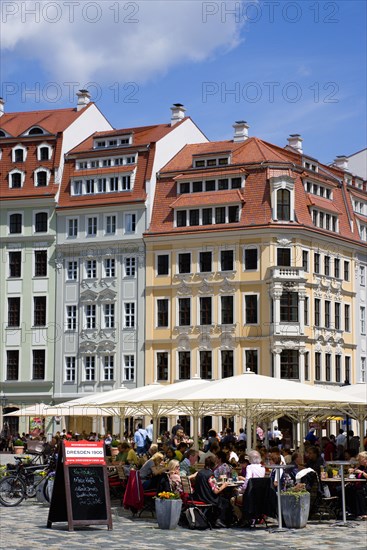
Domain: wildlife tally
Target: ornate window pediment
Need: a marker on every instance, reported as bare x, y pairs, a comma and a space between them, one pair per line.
88, 296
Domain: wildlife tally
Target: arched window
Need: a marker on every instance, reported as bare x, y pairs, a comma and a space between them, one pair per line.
19, 153
16, 180
2, 133
36, 131
283, 205
44, 151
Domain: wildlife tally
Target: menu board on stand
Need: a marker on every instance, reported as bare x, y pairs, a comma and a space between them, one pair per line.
81, 493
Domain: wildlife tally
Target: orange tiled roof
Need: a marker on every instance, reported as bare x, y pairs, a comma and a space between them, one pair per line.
206, 199
53, 121
261, 161
224, 171
142, 135
322, 203
104, 171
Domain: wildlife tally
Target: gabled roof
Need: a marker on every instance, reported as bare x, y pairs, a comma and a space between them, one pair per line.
142, 135
190, 200
52, 121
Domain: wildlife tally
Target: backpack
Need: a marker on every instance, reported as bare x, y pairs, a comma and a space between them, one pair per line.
196, 519
147, 443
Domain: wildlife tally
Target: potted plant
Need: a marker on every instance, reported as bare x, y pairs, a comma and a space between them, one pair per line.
295, 506
114, 447
18, 446
168, 509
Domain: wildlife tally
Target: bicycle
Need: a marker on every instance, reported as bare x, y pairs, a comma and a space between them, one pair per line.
21, 482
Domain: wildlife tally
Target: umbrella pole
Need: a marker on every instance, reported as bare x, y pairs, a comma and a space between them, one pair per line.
122, 423
155, 423
249, 433
195, 430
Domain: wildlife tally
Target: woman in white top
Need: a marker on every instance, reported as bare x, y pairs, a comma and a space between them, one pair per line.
254, 469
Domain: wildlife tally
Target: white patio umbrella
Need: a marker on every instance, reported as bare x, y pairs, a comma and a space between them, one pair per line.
357, 391
251, 395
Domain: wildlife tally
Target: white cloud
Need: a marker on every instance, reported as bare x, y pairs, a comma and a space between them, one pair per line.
128, 41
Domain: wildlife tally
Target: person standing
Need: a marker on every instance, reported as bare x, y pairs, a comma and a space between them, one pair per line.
139, 439
149, 430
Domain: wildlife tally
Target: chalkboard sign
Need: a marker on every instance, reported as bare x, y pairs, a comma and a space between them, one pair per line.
81, 493
87, 490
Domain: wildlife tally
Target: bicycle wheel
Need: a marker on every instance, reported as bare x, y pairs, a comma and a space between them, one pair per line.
12, 491
48, 487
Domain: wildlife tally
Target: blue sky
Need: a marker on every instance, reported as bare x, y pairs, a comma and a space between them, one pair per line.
284, 67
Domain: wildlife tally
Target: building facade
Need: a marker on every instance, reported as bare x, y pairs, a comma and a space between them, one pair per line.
103, 210
33, 145
251, 259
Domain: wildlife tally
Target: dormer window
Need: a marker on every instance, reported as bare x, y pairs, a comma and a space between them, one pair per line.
35, 131
101, 144
317, 189
283, 205
44, 151
282, 198
42, 177
2, 133
309, 165
220, 184
115, 142
211, 162
16, 179
19, 153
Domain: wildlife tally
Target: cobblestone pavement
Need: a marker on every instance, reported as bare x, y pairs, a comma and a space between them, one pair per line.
24, 528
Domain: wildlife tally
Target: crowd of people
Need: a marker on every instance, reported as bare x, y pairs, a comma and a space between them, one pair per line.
223, 457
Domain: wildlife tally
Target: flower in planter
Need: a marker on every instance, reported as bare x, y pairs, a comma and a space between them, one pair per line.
115, 443
166, 495
18, 443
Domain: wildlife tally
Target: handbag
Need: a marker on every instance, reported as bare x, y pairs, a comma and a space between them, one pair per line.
196, 519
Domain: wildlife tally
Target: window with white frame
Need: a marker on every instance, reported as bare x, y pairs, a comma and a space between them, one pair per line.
129, 315
130, 266
208, 216
110, 267
15, 223
251, 309
317, 189
226, 260
162, 264
89, 186
206, 370
90, 368
362, 275
19, 153
324, 220
72, 270
44, 151
250, 258
70, 369
162, 312
109, 315
92, 226
90, 316
363, 369
16, 179
42, 177
162, 365
305, 260
91, 269
77, 187
130, 222
227, 310
72, 228
41, 222
252, 360
227, 363
108, 367
282, 198
114, 184
129, 368
363, 231
362, 319
71, 318
110, 224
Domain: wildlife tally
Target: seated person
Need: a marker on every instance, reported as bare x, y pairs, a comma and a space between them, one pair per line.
314, 460
170, 454
355, 492
212, 451
254, 469
151, 471
208, 491
174, 476
188, 463
127, 455
222, 468
181, 450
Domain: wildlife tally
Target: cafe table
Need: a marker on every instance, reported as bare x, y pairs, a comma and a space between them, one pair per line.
341, 480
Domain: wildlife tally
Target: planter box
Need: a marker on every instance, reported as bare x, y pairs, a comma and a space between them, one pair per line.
168, 513
295, 510
18, 450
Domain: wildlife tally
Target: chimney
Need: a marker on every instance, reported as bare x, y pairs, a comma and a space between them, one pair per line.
2, 106
83, 99
341, 162
295, 141
178, 113
240, 130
